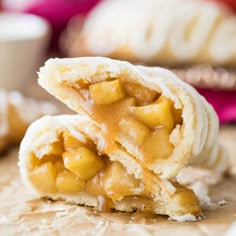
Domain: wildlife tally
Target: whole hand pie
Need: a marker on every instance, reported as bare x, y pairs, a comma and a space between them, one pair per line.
16, 114
155, 32
140, 121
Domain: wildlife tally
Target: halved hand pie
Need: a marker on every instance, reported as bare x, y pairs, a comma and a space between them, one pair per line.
161, 122
62, 157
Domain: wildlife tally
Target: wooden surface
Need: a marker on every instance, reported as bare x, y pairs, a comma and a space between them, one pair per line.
23, 214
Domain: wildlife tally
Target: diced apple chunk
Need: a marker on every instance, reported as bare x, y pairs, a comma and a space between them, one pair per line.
134, 129
117, 183
50, 158
33, 161
55, 148
59, 166
157, 146
177, 116
107, 92
70, 142
142, 95
94, 186
156, 114
186, 199
67, 182
43, 177
83, 162
177, 113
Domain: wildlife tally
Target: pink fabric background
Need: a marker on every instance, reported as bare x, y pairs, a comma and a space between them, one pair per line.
59, 12
224, 103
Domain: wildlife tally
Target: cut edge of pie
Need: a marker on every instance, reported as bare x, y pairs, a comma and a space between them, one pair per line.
58, 159
117, 95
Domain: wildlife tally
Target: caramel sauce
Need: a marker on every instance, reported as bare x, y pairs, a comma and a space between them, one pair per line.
109, 117
94, 187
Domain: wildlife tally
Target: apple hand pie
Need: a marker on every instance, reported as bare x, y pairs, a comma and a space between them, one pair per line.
62, 157
161, 31
16, 114
162, 123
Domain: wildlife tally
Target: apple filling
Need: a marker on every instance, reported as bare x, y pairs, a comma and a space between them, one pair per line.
69, 166
138, 118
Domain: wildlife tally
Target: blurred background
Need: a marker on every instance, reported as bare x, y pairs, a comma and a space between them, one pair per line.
196, 39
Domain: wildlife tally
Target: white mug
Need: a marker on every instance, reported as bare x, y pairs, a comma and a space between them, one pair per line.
24, 40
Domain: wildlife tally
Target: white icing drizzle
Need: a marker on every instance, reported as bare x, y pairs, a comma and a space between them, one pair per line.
213, 155
207, 125
198, 30
202, 108
213, 124
223, 44
202, 121
205, 18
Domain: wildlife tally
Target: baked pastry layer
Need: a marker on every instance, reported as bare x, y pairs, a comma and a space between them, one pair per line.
60, 158
162, 122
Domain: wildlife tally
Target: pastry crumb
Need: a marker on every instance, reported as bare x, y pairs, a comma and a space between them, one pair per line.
186, 217
222, 202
